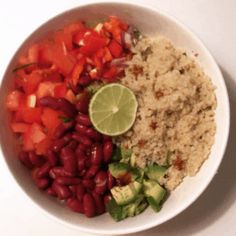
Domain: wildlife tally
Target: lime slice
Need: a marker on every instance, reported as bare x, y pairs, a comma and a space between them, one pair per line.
112, 109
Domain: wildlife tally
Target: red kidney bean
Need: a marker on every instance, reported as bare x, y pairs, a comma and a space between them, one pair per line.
24, 158
75, 205
83, 120
62, 129
68, 159
107, 151
82, 139
81, 128
73, 189
84, 80
43, 171
88, 184
80, 150
82, 173
51, 192
106, 138
88, 162
83, 102
52, 157
81, 160
89, 205
80, 191
96, 154
93, 134
59, 171
36, 160
101, 182
42, 183
67, 180
106, 199
67, 107
110, 180
100, 207
49, 102
62, 191
91, 172
72, 145
60, 143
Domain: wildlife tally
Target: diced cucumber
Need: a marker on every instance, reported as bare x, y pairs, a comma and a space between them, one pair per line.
126, 194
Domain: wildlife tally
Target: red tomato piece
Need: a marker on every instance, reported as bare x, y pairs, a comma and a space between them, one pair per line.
28, 144
50, 119
74, 28
64, 38
55, 54
60, 90
111, 73
70, 96
29, 115
46, 89
51, 75
42, 147
33, 53
14, 100
92, 43
33, 135
77, 70
37, 134
19, 127
115, 48
29, 82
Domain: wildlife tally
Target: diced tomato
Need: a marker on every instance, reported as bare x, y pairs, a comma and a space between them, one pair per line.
28, 144
50, 119
98, 61
51, 75
19, 127
33, 135
92, 43
107, 55
42, 147
77, 70
46, 89
74, 28
33, 53
14, 100
111, 73
70, 96
60, 90
115, 27
29, 82
78, 38
62, 37
31, 100
28, 115
37, 134
115, 48
54, 53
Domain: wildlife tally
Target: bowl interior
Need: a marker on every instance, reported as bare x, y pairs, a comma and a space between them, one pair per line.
149, 21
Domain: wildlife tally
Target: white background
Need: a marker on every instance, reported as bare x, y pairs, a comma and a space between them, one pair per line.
214, 213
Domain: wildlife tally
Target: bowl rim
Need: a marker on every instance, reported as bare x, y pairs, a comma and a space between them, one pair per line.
203, 187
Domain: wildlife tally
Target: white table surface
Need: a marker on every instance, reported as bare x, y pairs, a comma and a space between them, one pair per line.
214, 213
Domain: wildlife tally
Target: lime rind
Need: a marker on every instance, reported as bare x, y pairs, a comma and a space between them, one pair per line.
113, 109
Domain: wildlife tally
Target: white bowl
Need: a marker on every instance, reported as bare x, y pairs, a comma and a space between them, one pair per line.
149, 21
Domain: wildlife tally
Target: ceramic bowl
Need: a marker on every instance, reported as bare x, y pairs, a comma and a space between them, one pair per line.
149, 21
